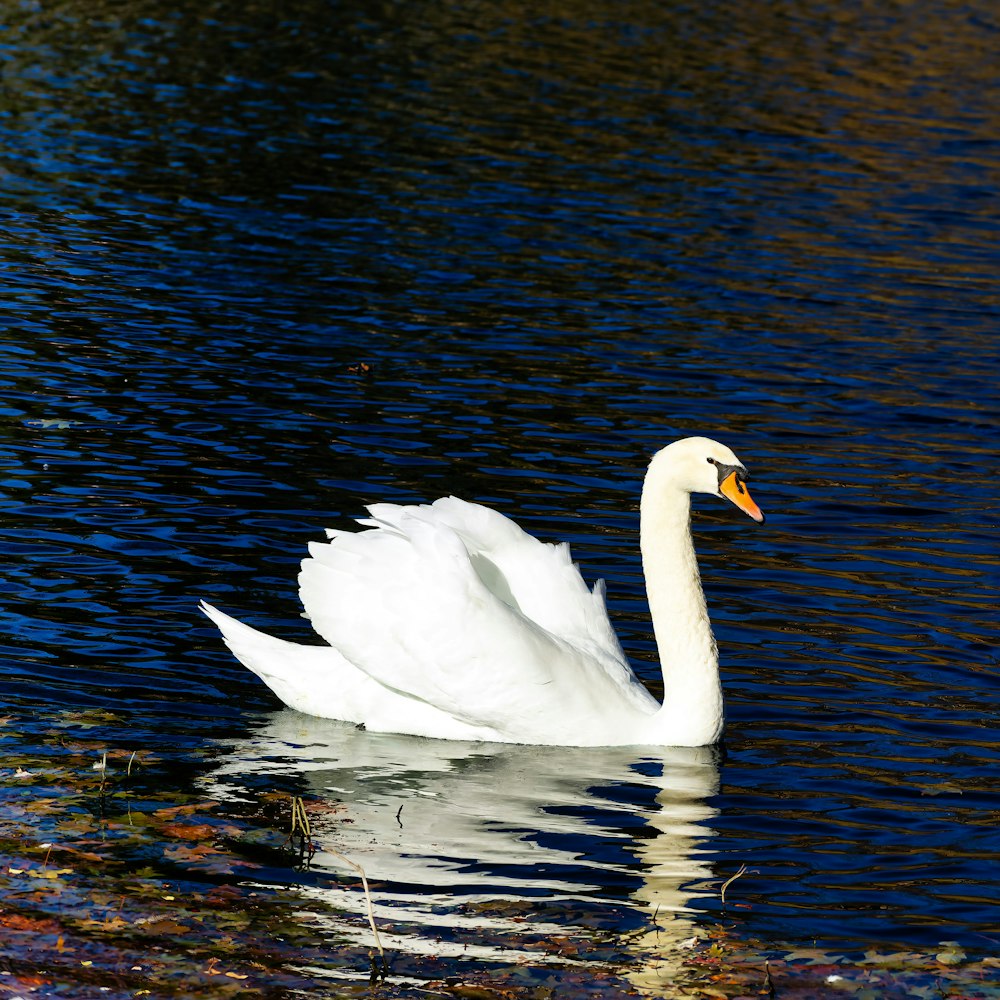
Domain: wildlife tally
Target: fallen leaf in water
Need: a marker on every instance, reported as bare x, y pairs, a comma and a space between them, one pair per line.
37, 925
942, 788
162, 925
952, 953
812, 956
204, 857
87, 718
52, 423
78, 852
48, 872
186, 809
191, 831
107, 925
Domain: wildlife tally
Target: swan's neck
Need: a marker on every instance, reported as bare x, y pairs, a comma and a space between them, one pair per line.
692, 694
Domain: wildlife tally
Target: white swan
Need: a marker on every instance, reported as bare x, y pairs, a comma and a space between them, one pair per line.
447, 620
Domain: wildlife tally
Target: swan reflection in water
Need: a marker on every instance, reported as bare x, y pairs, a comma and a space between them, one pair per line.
450, 833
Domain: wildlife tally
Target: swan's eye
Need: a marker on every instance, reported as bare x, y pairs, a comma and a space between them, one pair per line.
727, 470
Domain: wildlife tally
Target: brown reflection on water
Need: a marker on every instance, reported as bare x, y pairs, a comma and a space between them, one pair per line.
529, 80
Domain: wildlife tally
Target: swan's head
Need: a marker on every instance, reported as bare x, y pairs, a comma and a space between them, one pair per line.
701, 465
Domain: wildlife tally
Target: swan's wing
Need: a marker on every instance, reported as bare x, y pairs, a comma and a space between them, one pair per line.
536, 578
420, 606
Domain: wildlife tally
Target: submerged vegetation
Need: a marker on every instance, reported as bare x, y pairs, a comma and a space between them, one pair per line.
120, 877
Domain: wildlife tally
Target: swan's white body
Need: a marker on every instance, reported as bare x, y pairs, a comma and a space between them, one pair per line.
447, 620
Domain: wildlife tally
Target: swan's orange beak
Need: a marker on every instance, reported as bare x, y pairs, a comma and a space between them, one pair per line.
735, 489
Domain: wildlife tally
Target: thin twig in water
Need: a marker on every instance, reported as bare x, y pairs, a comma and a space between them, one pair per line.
301, 829
300, 825
768, 982
102, 766
368, 900
729, 881
300, 820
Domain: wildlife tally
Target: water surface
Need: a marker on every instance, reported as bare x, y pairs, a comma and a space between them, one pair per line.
261, 268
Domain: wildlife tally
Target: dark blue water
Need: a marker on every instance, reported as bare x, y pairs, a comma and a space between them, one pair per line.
260, 268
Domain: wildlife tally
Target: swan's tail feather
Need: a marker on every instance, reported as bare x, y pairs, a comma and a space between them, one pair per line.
292, 671
231, 629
